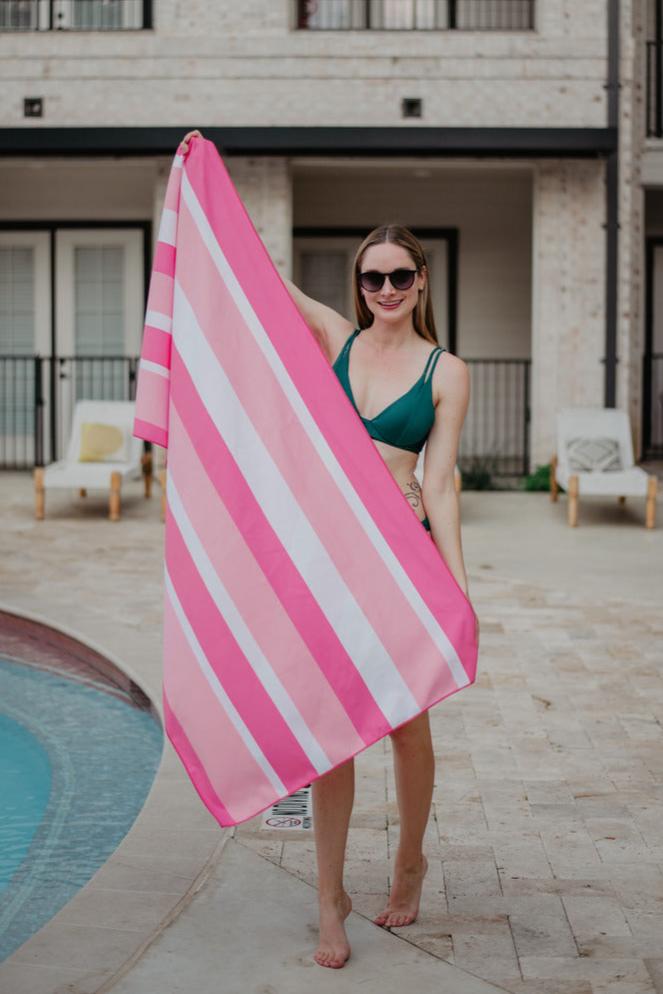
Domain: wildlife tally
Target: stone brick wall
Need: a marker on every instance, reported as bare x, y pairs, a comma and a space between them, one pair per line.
568, 325
227, 63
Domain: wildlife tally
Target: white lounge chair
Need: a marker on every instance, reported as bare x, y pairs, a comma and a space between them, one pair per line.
102, 452
595, 457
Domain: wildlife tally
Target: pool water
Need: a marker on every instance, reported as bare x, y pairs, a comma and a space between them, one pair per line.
76, 763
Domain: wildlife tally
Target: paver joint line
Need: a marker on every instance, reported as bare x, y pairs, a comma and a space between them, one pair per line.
183, 903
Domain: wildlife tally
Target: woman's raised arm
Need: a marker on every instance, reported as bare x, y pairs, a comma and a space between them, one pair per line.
329, 327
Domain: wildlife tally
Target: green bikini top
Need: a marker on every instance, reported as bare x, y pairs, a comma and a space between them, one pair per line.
407, 421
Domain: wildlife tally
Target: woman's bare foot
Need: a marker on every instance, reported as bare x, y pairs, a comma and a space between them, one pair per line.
403, 904
334, 948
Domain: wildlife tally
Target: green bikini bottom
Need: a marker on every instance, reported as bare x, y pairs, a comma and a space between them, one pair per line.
426, 523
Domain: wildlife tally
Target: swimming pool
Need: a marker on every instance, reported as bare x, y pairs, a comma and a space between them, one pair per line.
77, 758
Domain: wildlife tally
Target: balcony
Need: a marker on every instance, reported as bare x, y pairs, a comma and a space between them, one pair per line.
415, 15
75, 15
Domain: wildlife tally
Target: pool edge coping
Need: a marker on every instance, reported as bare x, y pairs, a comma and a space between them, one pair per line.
145, 936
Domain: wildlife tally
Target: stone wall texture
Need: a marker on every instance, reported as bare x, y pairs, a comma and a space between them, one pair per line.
229, 63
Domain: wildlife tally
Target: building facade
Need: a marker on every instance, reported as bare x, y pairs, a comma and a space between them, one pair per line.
520, 139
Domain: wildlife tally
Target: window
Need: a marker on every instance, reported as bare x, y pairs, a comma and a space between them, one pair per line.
75, 15
416, 15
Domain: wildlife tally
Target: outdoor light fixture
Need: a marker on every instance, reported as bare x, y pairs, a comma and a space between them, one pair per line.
33, 107
412, 107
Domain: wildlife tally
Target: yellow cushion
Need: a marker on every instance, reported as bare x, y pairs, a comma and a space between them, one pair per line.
102, 443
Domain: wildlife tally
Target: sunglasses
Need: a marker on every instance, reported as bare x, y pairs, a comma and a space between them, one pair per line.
400, 279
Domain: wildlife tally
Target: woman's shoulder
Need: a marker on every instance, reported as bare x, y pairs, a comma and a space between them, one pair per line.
451, 376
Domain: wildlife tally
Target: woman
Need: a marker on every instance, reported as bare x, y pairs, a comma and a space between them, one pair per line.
391, 370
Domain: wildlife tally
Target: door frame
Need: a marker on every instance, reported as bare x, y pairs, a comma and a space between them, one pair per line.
51, 226
448, 235
652, 242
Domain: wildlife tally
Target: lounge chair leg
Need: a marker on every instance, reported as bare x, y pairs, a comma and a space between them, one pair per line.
114, 503
573, 501
554, 491
621, 501
650, 514
40, 492
162, 481
146, 460
83, 492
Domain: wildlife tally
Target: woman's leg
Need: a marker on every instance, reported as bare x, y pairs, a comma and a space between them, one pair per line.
414, 770
333, 796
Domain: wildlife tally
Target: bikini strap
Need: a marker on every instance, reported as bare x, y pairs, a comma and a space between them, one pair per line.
343, 354
431, 363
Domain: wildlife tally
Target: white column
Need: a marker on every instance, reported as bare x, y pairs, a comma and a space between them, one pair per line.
630, 320
265, 186
568, 294
159, 196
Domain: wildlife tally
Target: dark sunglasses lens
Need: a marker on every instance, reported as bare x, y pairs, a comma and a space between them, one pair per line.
402, 279
371, 281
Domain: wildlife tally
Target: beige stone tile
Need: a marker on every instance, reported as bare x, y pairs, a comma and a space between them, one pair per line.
550, 987
265, 847
489, 955
148, 838
540, 926
141, 872
520, 855
647, 929
86, 947
612, 970
469, 878
28, 978
655, 970
594, 917
119, 909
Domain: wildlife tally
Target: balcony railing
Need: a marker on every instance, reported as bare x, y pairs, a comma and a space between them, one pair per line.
38, 395
415, 15
495, 436
75, 15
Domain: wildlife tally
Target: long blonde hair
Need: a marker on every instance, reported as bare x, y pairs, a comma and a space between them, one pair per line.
396, 234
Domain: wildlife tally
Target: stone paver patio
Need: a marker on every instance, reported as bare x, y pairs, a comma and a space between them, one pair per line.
546, 841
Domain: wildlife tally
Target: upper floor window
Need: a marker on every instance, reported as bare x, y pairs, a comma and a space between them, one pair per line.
75, 15
416, 15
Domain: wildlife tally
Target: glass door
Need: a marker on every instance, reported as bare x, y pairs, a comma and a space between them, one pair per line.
99, 317
25, 330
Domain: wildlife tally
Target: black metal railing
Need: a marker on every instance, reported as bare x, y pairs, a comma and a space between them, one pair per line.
75, 15
652, 435
415, 15
495, 435
38, 395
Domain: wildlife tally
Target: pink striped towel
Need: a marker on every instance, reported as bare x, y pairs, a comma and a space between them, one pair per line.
307, 611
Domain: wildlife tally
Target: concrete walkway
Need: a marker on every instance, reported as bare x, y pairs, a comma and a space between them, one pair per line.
546, 841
